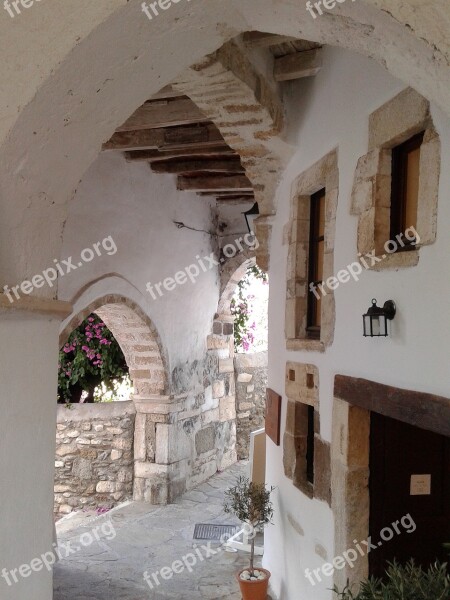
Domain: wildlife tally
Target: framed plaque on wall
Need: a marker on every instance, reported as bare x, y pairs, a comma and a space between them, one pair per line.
273, 416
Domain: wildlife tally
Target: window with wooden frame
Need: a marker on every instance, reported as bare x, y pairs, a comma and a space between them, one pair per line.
405, 188
315, 262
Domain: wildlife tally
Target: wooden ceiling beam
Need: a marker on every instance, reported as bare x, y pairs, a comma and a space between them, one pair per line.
164, 113
298, 65
214, 183
228, 194
204, 164
259, 39
169, 138
196, 151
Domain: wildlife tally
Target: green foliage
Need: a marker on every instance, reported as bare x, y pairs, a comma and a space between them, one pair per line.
251, 504
90, 356
240, 309
404, 582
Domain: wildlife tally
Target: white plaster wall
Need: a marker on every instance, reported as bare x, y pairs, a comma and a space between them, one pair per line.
137, 208
325, 112
28, 379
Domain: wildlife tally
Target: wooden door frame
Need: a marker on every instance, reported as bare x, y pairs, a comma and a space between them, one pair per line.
354, 400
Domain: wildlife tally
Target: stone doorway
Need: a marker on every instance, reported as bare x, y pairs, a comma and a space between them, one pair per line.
354, 401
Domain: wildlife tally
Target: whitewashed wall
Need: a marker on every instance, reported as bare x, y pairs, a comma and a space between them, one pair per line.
332, 111
137, 208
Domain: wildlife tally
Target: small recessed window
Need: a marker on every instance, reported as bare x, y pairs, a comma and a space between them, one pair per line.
405, 188
310, 446
315, 266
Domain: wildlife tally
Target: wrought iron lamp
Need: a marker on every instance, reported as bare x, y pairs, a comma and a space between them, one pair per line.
376, 318
250, 215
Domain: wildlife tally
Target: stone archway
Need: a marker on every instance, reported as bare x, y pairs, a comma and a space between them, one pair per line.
137, 337
145, 357
250, 370
91, 99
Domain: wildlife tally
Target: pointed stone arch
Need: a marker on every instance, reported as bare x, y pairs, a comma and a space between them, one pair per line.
137, 337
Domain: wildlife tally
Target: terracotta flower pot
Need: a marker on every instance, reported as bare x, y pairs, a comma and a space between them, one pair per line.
254, 590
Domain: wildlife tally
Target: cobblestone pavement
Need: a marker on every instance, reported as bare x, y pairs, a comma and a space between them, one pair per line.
149, 538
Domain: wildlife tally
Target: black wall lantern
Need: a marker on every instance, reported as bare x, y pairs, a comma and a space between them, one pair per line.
376, 318
250, 216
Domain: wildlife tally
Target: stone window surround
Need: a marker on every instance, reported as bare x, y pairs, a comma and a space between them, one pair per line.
354, 399
406, 115
302, 390
323, 174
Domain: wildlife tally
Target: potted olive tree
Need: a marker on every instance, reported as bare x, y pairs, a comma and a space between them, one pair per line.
251, 504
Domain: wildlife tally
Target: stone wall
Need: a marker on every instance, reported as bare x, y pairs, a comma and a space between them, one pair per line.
94, 455
251, 384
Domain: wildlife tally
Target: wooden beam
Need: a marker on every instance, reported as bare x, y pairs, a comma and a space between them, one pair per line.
229, 194
169, 138
195, 151
259, 39
214, 183
167, 92
164, 113
298, 65
236, 201
426, 411
206, 164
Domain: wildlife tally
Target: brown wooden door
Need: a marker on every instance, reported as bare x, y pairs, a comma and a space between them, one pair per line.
399, 452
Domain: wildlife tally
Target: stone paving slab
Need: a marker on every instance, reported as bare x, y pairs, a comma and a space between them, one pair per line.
139, 537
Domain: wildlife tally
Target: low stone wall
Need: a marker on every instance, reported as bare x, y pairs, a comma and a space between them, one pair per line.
251, 383
94, 455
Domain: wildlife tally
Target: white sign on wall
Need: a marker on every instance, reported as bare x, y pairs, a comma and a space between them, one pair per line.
420, 485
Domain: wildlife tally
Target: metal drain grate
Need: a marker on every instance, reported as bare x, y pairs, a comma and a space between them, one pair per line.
204, 531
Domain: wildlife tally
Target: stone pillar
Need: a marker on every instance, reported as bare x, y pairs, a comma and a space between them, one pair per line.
350, 486
221, 345
28, 383
158, 476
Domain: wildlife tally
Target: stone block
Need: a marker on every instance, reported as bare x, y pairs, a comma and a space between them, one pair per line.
228, 329
398, 119
82, 468
218, 388
226, 365
211, 416
205, 440
227, 408
105, 487
244, 377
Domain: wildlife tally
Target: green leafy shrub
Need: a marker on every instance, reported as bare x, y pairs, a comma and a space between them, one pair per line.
90, 357
404, 582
